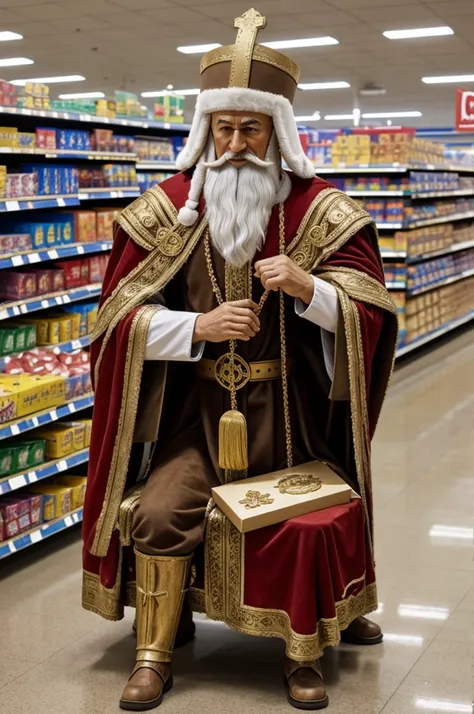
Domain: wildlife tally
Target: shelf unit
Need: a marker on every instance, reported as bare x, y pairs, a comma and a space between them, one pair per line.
405, 255
28, 120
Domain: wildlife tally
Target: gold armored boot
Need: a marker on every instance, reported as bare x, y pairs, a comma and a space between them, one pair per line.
161, 587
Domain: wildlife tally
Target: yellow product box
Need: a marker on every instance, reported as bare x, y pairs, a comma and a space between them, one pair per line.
8, 136
57, 499
60, 325
8, 405
59, 440
77, 484
47, 331
31, 393
387, 243
87, 431
79, 433
75, 318
92, 319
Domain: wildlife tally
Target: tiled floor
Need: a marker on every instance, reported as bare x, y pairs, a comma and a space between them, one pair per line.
57, 659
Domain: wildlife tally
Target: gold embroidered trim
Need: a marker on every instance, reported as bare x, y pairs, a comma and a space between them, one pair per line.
127, 510
352, 583
144, 216
148, 278
224, 598
359, 286
329, 222
125, 428
198, 600
105, 602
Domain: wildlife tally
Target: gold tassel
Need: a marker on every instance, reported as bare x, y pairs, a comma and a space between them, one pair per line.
233, 449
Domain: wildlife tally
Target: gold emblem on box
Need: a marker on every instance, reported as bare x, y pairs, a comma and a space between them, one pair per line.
299, 484
255, 499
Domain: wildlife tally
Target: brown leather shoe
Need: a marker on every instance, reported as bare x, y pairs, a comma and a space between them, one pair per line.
146, 688
362, 632
186, 628
305, 686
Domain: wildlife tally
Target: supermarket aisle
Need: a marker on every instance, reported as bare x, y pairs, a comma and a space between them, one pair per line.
57, 658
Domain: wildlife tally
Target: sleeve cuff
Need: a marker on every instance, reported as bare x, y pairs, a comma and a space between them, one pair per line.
323, 308
170, 337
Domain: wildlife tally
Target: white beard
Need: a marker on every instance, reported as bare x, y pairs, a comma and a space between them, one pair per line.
239, 203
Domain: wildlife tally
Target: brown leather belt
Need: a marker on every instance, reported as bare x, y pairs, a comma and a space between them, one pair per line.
259, 371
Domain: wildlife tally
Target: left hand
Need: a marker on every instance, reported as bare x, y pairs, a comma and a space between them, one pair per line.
282, 272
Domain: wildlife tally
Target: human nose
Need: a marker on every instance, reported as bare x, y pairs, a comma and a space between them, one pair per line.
238, 143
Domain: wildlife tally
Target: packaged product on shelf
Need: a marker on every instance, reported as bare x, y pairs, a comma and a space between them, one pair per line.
6, 461
56, 499
105, 223
101, 140
59, 440
77, 484
24, 336
72, 273
88, 315
36, 451
19, 514
15, 243
7, 341
8, 136
7, 94
18, 285
87, 431
43, 281
45, 138
25, 394
85, 227
26, 140
3, 181
79, 433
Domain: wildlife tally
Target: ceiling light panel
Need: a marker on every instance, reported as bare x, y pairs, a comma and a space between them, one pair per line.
7, 36
164, 93
449, 79
83, 95
198, 49
418, 32
339, 117
308, 86
304, 42
391, 115
15, 61
48, 80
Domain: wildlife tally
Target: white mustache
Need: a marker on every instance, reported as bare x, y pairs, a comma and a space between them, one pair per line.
229, 155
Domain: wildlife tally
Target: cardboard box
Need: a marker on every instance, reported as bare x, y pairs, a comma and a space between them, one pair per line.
79, 433
25, 394
77, 484
57, 499
272, 498
59, 440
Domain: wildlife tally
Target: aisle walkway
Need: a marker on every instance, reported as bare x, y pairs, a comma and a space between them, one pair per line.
57, 659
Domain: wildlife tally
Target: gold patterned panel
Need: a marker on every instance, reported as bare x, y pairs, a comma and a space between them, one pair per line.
359, 286
248, 26
126, 423
105, 602
144, 216
260, 54
329, 222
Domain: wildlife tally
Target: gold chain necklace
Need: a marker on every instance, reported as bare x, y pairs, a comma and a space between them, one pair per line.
233, 451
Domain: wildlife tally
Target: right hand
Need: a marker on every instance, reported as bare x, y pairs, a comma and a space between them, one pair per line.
230, 321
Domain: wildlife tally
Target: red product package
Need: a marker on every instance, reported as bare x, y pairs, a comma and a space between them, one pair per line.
17, 286
57, 279
29, 184
45, 138
43, 281
85, 271
72, 273
15, 243
95, 272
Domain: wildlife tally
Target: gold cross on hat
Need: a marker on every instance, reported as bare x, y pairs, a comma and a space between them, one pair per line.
248, 26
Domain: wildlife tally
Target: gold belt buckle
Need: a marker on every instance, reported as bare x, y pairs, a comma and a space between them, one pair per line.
232, 372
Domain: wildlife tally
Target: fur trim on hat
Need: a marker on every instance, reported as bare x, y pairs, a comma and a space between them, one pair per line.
250, 100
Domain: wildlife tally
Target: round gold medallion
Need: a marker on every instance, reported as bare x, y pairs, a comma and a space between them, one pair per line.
232, 372
170, 243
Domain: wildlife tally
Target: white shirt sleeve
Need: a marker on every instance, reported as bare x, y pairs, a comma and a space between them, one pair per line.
170, 337
322, 311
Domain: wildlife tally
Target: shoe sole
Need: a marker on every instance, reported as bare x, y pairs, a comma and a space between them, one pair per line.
130, 706
364, 641
313, 706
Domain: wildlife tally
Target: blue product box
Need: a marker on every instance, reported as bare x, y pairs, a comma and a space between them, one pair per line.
61, 139
66, 230
74, 386
35, 230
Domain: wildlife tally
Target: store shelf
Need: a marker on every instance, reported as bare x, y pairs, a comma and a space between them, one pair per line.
69, 346
442, 219
443, 194
24, 540
46, 470
440, 283
22, 307
156, 165
39, 256
389, 226
93, 119
389, 169
377, 194
425, 339
19, 426
70, 154
396, 285
33, 203
400, 254
99, 194
455, 248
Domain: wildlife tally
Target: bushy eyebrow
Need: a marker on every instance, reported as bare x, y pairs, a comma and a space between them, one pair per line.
247, 122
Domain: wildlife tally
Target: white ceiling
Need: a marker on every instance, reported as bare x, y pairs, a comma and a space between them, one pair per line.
131, 44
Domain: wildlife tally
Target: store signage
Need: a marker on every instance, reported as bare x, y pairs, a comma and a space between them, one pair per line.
464, 110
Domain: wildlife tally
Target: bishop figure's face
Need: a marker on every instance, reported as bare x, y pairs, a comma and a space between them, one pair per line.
241, 132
